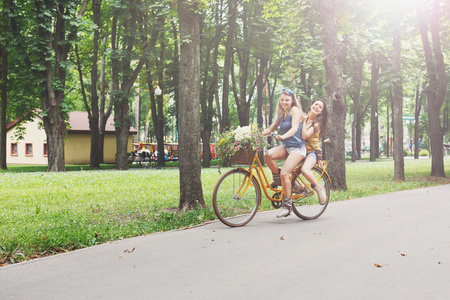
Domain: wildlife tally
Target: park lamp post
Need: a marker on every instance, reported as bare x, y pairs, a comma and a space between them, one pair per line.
158, 92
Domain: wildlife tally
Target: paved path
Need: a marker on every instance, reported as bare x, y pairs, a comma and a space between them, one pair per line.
333, 257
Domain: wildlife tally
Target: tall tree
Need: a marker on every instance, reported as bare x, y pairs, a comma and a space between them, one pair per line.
334, 53
125, 49
94, 116
54, 29
437, 82
397, 100
3, 83
225, 115
92, 106
210, 82
417, 108
191, 192
374, 134
156, 101
355, 95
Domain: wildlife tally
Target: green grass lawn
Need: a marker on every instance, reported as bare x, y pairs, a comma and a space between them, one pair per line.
45, 213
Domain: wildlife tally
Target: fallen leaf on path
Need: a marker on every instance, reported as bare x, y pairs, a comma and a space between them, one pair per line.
377, 265
403, 254
128, 251
282, 238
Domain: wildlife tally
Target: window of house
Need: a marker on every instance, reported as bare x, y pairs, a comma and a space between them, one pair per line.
45, 149
14, 149
28, 149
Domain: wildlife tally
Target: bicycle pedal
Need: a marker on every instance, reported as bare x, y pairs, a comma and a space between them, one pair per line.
308, 193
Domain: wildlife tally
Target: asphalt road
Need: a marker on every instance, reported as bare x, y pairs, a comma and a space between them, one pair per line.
393, 246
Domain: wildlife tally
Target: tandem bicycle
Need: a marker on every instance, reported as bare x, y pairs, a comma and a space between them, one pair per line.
238, 193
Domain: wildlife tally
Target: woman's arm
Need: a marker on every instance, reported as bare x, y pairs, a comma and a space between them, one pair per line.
309, 129
272, 127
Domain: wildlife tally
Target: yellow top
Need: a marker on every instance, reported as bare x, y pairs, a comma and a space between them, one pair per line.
314, 141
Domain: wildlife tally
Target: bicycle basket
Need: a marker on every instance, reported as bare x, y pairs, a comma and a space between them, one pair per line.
243, 156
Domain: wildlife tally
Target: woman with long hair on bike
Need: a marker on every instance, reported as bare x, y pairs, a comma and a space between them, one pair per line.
315, 123
289, 117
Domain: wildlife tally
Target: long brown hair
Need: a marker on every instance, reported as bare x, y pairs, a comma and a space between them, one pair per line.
321, 119
280, 109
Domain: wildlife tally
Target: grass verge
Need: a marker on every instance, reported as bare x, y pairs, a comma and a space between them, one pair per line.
46, 213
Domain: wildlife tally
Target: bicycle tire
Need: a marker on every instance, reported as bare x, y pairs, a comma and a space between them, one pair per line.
231, 209
306, 204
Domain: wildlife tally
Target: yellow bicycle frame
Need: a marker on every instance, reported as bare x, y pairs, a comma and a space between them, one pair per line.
256, 170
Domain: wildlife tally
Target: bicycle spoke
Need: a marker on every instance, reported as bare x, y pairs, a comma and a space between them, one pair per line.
236, 197
306, 201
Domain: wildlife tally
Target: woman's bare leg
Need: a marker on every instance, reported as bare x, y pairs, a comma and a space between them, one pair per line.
309, 163
278, 152
306, 171
290, 164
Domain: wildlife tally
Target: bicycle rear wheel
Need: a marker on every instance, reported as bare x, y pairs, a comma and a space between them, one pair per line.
236, 197
305, 202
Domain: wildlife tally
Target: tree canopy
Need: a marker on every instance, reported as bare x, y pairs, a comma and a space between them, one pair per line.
109, 56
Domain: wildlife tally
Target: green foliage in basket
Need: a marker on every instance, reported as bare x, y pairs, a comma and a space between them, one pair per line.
230, 142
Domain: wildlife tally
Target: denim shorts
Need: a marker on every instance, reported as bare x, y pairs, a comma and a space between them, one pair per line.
301, 150
313, 154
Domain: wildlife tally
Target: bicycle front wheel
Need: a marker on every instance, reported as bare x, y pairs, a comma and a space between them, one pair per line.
306, 202
236, 197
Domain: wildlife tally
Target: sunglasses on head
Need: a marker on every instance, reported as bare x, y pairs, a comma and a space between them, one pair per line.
287, 91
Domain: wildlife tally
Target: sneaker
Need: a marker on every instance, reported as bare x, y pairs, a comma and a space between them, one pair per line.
321, 194
286, 207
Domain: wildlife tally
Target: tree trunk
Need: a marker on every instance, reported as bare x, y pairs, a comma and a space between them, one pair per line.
259, 91
336, 88
122, 124
242, 103
417, 109
374, 137
175, 73
52, 98
356, 128
160, 100
3, 85
129, 77
397, 107
156, 102
4, 99
306, 85
191, 192
232, 9
208, 92
103, 115
95, 157
137, 114
437, 85
388, 146
55, 128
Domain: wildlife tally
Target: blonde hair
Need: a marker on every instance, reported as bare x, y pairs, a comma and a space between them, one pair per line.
280, 109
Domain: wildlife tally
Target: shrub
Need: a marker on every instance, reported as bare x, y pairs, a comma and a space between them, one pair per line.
424, 152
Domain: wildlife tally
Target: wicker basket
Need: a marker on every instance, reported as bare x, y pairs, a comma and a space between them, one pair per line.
243, 156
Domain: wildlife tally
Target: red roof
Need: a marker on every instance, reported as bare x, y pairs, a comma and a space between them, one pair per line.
79, 122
